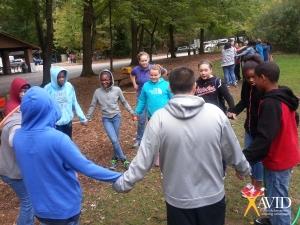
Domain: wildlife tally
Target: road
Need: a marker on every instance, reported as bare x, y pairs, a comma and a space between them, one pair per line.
74, 71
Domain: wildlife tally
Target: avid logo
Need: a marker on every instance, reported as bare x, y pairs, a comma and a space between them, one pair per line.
268, 205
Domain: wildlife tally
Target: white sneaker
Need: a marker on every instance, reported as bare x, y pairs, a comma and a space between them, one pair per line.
136, 144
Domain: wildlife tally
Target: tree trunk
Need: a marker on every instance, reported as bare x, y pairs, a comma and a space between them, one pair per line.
111, 39
141, 39
201, 50
134, 47
87, 34
172, 43
46, 40
152, 39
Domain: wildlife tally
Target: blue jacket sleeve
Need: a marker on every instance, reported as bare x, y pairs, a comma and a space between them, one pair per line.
142, 101
72, 157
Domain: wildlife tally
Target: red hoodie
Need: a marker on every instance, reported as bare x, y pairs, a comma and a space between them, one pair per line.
276, 142
14, 94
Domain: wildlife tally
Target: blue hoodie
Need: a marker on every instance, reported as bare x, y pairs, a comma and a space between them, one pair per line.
48, 159
65, 97
154, 96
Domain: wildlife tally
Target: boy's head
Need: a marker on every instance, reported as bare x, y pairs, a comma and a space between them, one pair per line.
205, 69
143, 58
105, 78
266, 75
61, 78
182, 81
155, 73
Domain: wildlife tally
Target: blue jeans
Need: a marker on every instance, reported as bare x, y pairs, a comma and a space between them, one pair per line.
229, 74
141, 125
256, 168
112, 127
26, 216
277, 185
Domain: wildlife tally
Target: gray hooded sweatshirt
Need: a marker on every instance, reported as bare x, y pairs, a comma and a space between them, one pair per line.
108, 100
8, 163
192, 138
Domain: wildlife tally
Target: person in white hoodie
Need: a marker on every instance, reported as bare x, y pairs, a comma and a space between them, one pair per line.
192, 138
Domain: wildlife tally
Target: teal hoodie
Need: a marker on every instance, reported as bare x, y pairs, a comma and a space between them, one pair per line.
65, 97
154, 96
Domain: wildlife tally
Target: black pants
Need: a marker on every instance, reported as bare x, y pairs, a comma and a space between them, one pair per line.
67, 129
237, 69
207, 215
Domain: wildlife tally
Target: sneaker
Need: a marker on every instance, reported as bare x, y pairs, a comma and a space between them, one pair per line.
253, 192
262, 221
126, 164
114, 163
246, 189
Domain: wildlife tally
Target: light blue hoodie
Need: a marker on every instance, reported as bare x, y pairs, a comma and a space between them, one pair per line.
65, 97
154, 96
48, 159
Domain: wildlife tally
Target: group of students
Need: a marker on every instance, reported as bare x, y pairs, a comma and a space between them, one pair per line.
234, 54
191, 140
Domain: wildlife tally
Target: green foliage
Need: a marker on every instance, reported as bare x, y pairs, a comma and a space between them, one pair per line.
68, 25
16, 18
280, 25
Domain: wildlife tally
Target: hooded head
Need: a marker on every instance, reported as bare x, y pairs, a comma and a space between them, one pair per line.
39, 110
17, 86
59, 76
106, 79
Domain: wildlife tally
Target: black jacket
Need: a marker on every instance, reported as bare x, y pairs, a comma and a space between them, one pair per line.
250, 99
214, 91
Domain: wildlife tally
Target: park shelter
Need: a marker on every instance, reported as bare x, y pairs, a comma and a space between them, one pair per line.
9, 44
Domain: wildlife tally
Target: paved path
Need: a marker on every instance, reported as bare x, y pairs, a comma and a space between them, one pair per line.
74, 71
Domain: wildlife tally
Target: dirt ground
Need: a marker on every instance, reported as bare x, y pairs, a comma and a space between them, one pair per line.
92, 139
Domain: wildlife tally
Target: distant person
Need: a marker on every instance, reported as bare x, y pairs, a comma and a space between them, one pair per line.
9, 169
18, 88
155, 95
64, 94
276, 143
139, 76
247, 52
259, 48
227, 63
108, 97
237, 63
191, 137
49, 159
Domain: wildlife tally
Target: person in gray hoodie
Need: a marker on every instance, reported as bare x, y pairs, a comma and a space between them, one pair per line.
192, 138
9, 169
108, 97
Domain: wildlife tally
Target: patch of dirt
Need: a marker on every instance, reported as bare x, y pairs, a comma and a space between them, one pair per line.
92, 139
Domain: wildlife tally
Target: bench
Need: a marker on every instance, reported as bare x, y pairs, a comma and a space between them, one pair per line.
120, 78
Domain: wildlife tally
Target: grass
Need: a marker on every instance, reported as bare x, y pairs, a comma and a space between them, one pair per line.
145, 203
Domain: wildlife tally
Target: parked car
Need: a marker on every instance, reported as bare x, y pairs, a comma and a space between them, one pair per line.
182, 49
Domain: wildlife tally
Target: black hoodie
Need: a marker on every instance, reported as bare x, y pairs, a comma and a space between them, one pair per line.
276, 142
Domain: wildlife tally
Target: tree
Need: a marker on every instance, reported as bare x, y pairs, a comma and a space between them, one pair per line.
44, 27
88, 30
68, 25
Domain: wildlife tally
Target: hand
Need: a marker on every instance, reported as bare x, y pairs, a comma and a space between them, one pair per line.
84, 123
135, 118
239, 176
136, 87
231, 115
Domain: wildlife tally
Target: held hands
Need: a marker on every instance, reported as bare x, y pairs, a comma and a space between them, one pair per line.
134, 117
136, 87
239, 176
231, 115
